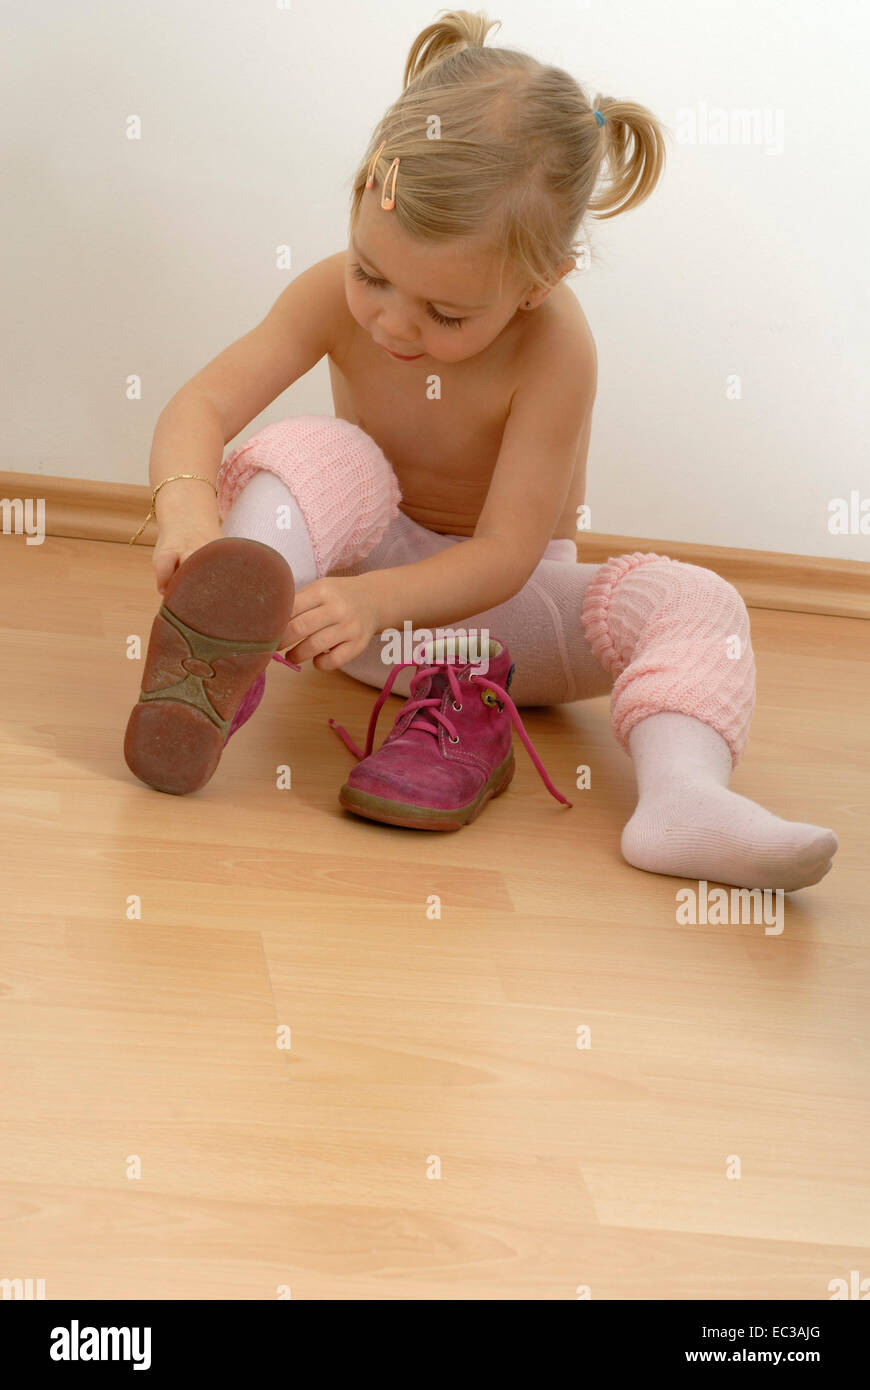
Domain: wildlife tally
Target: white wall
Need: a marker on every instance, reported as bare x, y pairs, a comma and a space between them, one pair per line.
147, 257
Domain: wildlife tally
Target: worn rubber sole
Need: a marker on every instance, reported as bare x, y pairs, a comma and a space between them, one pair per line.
426, 817
224, 612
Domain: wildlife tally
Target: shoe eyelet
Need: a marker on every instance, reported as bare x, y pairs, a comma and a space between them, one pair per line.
453, 740
490, 699
455, 706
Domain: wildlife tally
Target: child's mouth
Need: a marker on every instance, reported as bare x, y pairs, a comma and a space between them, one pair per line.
400, 357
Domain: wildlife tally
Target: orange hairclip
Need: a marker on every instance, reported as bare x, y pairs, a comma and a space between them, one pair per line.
388, 203
370, 177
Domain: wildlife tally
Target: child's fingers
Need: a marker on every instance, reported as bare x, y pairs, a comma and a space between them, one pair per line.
318, 644
338, 656
308, 597
307, 623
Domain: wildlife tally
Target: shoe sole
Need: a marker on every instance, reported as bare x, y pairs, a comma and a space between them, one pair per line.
412, 817
224, 612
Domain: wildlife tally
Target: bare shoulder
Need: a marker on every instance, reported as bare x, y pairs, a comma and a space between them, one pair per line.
333, 270
325, 286
313, 305
559, 344
552, 405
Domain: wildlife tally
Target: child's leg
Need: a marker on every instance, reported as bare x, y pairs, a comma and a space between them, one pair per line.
255, 515
554, 663
676, 637
317, 489
322, 493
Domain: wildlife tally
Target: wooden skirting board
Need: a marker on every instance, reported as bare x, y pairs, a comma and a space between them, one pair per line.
765, 579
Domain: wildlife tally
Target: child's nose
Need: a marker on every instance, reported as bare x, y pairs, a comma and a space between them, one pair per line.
397, 328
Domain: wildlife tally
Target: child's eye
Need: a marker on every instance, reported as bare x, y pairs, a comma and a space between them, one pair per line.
433, 313
442, 318
366, 279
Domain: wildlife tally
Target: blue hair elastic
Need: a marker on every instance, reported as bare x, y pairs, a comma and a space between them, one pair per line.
599, 118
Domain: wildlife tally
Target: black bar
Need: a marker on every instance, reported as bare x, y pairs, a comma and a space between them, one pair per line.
227, 1338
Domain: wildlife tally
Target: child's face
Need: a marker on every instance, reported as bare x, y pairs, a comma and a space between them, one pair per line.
419, 284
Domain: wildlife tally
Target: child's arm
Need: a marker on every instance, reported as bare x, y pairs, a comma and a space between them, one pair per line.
221, 399
549, 416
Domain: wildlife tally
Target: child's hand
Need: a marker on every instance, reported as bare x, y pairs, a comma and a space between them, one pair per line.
333, 621
176, 541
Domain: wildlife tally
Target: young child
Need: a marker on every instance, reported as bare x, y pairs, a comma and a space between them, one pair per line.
445, 491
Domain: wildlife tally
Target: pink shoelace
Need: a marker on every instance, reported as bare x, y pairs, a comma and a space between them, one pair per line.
432, 704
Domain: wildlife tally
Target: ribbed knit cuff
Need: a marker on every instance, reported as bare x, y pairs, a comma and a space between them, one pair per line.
345, 487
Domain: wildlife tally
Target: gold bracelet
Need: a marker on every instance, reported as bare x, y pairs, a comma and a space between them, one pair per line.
171, 479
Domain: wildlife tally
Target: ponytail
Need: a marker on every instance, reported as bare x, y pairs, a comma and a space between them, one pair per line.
459, 29
633, 156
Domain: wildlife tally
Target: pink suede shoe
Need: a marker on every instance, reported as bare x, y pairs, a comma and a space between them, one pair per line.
254, 694
224, 612
439, 776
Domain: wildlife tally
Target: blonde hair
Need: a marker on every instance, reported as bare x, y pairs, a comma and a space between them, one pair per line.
518, 152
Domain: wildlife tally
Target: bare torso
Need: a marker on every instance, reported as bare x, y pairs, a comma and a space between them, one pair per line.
444, 450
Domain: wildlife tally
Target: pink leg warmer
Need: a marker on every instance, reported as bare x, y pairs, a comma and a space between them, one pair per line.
346, 489
677, 638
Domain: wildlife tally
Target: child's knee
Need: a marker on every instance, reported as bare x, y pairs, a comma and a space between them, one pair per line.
718, 598
345, 487
639, 598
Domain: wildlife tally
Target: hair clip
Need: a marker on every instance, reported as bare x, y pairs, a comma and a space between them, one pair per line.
388, 203
370, 177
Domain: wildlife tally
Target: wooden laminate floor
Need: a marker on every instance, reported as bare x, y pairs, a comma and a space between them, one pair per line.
433, 1130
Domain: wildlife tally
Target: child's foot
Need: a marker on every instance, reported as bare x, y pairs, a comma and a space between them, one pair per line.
702, 830
689, 823
224, 612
